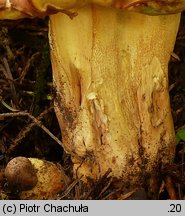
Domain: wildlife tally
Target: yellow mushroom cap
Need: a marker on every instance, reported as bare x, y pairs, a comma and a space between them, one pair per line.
50, 181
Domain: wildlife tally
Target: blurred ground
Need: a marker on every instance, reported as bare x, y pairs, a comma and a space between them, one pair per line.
26, 85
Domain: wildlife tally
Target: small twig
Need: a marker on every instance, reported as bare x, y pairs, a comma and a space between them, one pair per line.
127, 195
27, 67
105, 189
7, 73
7, 106
179, 191
94, 192
23, 133
111, 194
170, 188
38, 123
68, 189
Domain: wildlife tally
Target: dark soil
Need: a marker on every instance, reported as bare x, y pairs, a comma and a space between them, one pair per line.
26, 85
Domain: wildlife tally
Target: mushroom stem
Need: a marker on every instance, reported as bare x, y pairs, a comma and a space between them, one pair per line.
110, 71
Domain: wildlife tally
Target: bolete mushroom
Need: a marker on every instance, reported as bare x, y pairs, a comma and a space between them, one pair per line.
110, 71
21, 174
34, 178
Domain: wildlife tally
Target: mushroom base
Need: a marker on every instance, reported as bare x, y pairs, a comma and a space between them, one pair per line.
111, 77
